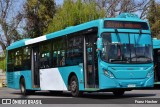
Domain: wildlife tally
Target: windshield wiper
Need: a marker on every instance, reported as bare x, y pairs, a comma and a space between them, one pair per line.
118, 60
141, 56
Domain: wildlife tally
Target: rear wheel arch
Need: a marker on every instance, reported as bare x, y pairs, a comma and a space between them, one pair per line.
22, 85
69, 77
20, 79
74, 85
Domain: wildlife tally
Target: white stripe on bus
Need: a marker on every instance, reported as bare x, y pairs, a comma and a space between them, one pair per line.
51, 79
35, 40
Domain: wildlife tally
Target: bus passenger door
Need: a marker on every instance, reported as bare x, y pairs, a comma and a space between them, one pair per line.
157, 65
90, 61
35, 67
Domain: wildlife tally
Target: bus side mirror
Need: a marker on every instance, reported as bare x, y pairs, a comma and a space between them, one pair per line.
99, 44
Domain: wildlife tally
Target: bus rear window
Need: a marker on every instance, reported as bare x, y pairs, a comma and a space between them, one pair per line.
125, 25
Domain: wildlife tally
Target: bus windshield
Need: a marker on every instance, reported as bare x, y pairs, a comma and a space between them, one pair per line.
126, 48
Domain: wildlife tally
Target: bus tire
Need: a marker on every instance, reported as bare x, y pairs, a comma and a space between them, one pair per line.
23, 87
74, 87
118, 93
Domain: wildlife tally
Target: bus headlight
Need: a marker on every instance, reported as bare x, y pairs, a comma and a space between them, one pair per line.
108, 73
150, 73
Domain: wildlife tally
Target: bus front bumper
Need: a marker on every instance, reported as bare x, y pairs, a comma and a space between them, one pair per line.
109, 83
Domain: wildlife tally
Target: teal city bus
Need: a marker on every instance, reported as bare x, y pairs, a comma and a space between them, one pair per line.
156, 57
109, 55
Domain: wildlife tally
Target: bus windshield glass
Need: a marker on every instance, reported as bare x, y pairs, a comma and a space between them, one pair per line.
126, 48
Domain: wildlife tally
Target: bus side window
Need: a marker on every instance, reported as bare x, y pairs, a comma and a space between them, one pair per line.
62, 62
54, 58
10, 63
58, 58
59, 52
74, 50
18, 60
26, 58
45, 49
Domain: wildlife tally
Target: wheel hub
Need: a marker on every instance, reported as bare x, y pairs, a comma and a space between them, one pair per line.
22, 88
73, 86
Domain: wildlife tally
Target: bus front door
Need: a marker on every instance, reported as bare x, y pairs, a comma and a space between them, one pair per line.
157, 65
90, 61
35, 67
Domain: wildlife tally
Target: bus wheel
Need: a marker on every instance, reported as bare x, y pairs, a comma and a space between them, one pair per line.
74, 87
22, 86
118, 93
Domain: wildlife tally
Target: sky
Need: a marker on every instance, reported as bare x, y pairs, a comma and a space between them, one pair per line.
59, 2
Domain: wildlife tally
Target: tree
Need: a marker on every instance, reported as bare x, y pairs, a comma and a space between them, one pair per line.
2, 61
153, 17
8, 24
72, 13
115, 7
38, 14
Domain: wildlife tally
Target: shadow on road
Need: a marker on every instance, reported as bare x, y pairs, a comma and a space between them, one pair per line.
111, 96
95, 95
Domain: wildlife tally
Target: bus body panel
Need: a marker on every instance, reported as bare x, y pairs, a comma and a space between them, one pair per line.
16, 75
136, 71
17, 44
126, 79
64, 73
57, 78
156, 43
106, 82
77, 70
71, 29
122, 83
51, 79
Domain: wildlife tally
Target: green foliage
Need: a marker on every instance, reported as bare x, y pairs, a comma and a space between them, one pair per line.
72, 13
39, 14
3, 62
153, 17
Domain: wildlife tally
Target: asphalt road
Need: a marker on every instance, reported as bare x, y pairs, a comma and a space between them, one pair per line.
87, 98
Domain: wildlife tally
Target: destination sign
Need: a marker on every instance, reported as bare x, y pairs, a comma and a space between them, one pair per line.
125, 25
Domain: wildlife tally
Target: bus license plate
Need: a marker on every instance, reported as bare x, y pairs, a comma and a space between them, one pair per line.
131, 85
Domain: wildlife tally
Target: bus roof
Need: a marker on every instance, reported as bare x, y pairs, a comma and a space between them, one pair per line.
17, 44
71, 29
156, 43
68, 30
